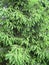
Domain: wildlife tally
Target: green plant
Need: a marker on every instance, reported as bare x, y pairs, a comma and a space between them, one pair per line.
24, 32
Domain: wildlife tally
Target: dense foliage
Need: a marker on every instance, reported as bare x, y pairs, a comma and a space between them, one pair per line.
24, 32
